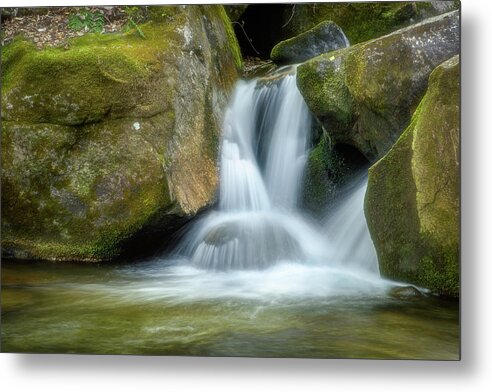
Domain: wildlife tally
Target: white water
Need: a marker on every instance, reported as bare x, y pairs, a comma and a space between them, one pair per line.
348, 233
258, 226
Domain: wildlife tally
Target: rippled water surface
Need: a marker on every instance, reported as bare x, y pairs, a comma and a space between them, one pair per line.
163, 307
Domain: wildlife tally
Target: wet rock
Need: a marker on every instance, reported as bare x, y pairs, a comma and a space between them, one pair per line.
252, 243
405, 292
323, 38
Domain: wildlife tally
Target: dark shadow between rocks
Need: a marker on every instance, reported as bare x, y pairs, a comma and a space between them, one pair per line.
259, 29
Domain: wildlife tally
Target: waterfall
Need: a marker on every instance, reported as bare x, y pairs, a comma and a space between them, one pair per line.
264, 148
348, 233
266, 125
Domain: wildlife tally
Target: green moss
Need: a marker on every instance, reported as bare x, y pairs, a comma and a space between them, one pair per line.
391, 212
442, 278
75, 86
99, 75
323, 86
86, 202
11, 54
79, 178
231, 37
359, 21
164, 13
365, 95
53, 251
437, 199
325, 171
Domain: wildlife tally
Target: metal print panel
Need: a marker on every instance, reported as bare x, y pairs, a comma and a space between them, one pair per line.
264, 180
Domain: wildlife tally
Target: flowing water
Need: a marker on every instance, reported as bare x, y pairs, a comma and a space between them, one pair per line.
154, 307
258, 223
255, 277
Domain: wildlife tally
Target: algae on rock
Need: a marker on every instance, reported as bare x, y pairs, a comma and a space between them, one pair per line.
412, 199
113, 136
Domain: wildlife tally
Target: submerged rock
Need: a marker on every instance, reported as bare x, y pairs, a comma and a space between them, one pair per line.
405, 292
365, 95
412, 202
251, 243
115, 136
323, 38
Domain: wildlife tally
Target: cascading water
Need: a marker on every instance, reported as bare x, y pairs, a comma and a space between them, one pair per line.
348, 233
258, 224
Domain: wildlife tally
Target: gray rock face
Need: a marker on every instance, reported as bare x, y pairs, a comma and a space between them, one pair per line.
323, 38
365, 95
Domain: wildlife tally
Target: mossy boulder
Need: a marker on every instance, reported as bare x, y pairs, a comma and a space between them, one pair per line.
115, 136
365, 95
362, 21
322, 38
412, 199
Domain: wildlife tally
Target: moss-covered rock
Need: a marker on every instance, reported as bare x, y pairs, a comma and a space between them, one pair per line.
412, 199
364, 95
116, 135
325, 171
362, 21
322, 38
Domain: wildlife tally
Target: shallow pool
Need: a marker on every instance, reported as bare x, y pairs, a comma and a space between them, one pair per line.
163, 307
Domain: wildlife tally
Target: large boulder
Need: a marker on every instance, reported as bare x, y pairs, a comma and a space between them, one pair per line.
115, 136
412, 199
364, 95
322, 38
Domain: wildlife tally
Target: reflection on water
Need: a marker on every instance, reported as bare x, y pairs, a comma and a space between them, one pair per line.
159, 307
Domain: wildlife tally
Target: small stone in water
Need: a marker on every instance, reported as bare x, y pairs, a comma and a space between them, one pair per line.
403, 292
